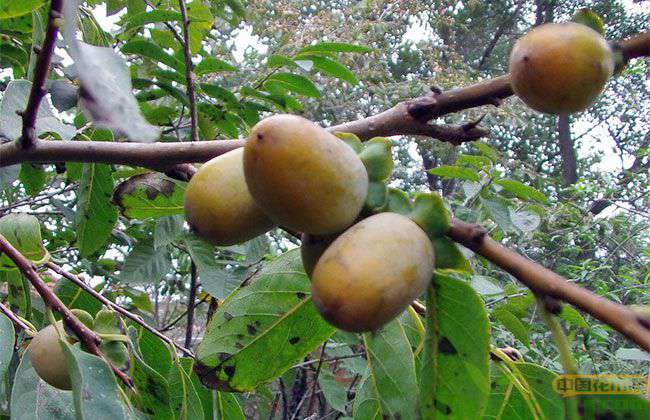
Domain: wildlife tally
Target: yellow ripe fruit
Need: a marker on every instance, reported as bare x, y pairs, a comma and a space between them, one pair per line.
372, 272
218, 206
560, 68
302, 176
48, 359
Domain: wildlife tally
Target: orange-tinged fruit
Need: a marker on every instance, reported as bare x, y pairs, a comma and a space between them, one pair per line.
303, 177
218, 206
372, 272
48, 358
560, 68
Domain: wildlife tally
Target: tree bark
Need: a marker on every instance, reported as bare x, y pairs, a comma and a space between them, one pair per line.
567, 152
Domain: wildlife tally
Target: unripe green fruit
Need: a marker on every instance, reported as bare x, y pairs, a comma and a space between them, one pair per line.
218, 206
303, 177
48, 359
560, 68
372, 272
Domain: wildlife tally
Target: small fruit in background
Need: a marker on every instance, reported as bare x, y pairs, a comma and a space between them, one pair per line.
303, 177
218, 206
372, 272
560, 68
48, 358
311, 249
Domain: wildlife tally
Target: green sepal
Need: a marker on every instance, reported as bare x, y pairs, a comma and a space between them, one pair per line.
448, 255
398, 202
107, 322
377, 157
83, 316
620, 62
430, 214
591, 19
351, 140
117, 352
377, 196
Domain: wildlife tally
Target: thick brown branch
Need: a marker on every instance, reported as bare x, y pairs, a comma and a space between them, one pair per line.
189, 72
42, 69
544, 282
90, 340
114, 306
635, 47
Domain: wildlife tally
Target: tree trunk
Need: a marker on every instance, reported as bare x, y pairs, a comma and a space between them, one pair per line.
567, 152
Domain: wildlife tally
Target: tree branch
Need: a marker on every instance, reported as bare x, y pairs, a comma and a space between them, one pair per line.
636, 46
547, 283
85, 335
38, 92
14, 318
117, 308
189, 72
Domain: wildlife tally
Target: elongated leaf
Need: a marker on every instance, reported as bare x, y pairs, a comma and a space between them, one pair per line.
332, 67
296, 83
499, 212
512, 324
451, 171
391, 368
10, 9
153, 16
214, 279
24, 233
95, 390
366, 403
335, 47
19, 297
184, 399
336, 393
149, 50
507, 401
226, 406
458, 355
271, 322
145, 264
154, 396
33, 399
76, 298
213, 65
523, 191
149, 195
167, 229
96, 215
7, 339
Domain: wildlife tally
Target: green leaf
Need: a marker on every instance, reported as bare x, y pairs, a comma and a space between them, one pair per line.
156, 15
167, 229
366, 403
335, 47
336, 393
96, 215
214, 279
33, 398
212, 65
95, 391
270, 322
479, 162
145, 264
76, 298
7, 339
33, 178
154, 395
486, 150
522, 191
150, 195
572, 316
276, 60
332, 67
449, 256
507, 401
499, 211
295, 83
153, 52
226, 406
451, 171
512, 324
184, 398
391, 367
458, 355
632, 407
24, 233
19, 293
218, 92
10, 9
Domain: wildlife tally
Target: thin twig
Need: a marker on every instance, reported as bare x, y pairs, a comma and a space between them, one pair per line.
42, 69
189, 72
14, 318
545, 282
314, 384
90, 340
190, 306
333, 359
117, 308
